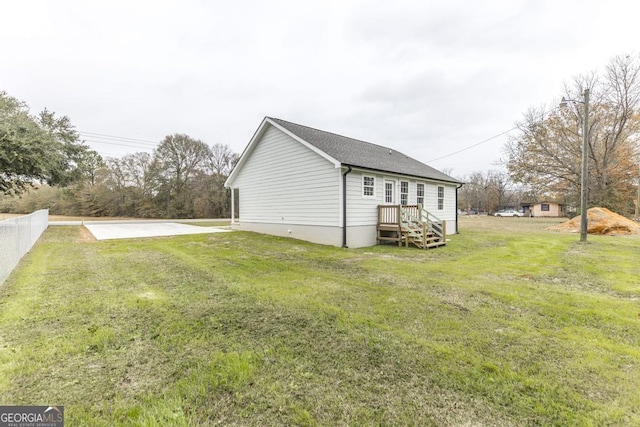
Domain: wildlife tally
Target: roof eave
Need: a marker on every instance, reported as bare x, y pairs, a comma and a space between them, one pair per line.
311, 147
451, 181
245, 153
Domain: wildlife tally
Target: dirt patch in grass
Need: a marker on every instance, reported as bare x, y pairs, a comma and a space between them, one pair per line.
600, 221
85, 235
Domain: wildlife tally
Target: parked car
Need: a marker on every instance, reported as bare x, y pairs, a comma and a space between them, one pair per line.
508, 212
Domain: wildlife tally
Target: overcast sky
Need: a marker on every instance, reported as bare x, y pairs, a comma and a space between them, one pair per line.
425, 78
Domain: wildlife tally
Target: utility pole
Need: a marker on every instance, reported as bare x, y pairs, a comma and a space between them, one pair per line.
585, 168
584, 180
637, 215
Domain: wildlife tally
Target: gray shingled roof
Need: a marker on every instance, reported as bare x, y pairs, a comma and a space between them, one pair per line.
353, 152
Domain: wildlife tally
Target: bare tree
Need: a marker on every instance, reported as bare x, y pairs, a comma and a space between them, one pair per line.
489, 191
221, 163
547, 152
222, 160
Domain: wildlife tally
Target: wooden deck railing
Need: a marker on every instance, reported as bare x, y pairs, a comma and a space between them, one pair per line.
389, 215
389, 228
398, 222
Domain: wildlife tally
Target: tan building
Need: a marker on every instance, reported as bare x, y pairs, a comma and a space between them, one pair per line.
545, 209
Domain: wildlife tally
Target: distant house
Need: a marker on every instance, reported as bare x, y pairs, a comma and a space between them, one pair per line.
544, 209
318, 186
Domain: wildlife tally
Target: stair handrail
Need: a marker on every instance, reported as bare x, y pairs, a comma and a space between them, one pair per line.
408, 216
435, 225
416, 229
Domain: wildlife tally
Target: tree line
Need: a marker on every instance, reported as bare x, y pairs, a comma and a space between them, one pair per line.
490, 191
44, 164
183, 178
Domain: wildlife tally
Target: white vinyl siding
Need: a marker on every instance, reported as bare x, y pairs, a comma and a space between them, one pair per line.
283, 181
364, 211
361, 210
431, 202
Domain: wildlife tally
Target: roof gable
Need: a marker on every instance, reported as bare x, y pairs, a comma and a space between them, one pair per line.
353, 152
257, 136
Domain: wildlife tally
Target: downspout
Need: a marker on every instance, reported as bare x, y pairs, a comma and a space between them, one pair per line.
344, 207
457, 188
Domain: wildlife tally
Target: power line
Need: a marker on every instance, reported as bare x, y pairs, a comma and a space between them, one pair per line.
474, 145
114, 137
114, 140
105, 154
108, 140
119, 144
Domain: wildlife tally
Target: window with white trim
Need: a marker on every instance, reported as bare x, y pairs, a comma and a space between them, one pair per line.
440, 197
420, 194
368, 186
404, 192
388, 192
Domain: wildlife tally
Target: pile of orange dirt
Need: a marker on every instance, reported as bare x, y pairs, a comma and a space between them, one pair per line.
600, 221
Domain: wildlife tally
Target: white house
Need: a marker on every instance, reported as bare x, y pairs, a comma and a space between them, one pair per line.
313, 185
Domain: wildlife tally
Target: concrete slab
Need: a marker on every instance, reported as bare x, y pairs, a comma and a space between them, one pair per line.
133, 230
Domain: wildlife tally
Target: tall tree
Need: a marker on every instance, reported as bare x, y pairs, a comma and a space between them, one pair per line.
177, 161
43, 149
76, 162
222, 162
25, 148
547, 152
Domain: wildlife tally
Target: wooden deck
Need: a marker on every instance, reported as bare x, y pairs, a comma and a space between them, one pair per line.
410, 224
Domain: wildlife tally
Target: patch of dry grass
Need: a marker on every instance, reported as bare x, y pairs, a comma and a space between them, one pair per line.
506, 224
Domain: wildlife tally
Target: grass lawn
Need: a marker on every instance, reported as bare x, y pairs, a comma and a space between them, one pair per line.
509, 324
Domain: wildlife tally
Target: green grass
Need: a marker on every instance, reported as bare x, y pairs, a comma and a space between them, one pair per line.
505, 327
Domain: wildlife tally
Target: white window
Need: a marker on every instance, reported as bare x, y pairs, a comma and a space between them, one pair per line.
368, 186
404, 192
420, 194
440, 197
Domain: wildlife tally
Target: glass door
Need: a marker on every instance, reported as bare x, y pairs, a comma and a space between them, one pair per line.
389, 192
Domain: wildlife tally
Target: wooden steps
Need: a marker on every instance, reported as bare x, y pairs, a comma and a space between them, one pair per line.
410, 224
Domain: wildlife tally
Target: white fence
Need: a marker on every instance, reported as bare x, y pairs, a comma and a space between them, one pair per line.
17, 236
